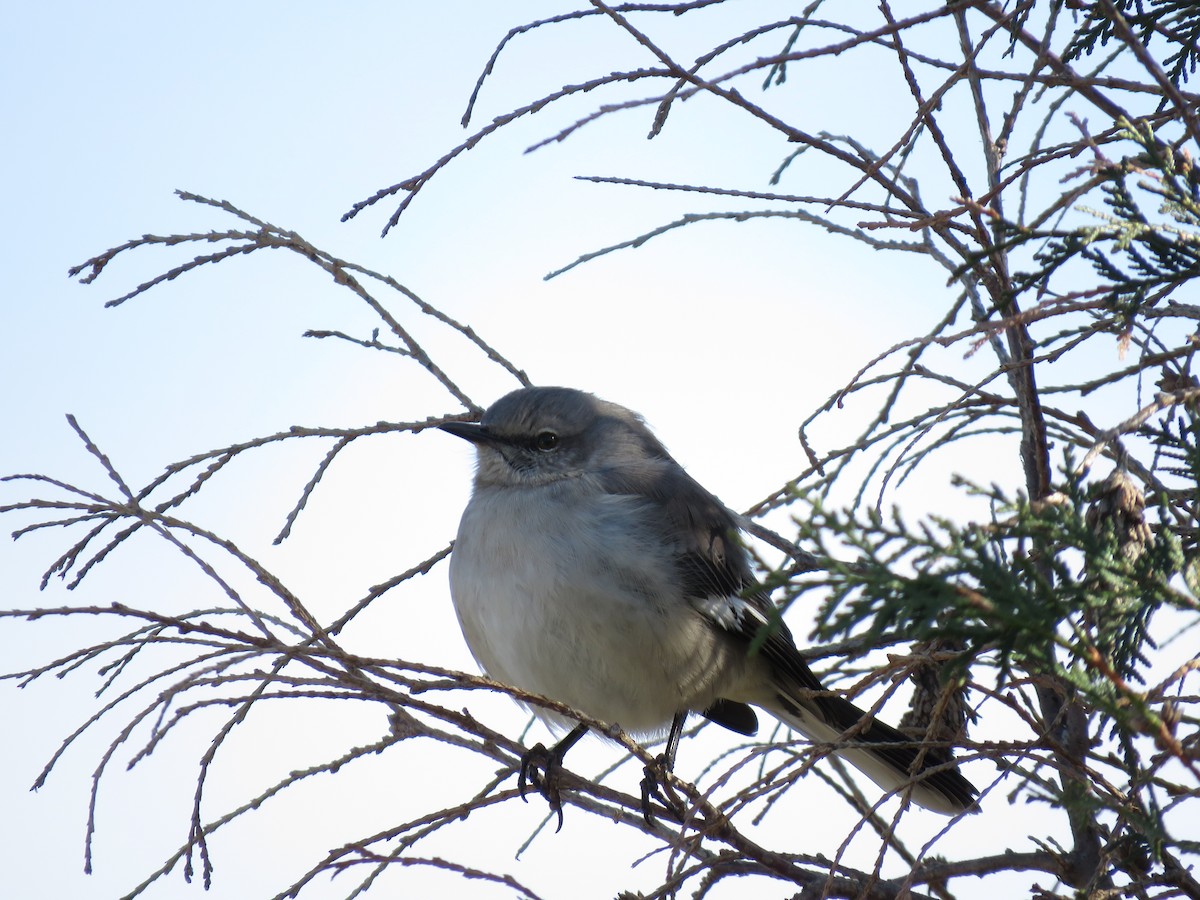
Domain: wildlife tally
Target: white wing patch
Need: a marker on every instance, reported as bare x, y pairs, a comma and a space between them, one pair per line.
730, 613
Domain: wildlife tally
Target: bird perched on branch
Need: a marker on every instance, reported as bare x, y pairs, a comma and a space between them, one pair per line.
591, 569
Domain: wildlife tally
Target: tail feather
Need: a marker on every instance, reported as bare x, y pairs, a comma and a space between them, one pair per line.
883, 754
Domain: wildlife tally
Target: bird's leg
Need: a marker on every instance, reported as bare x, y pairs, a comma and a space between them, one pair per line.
653, 780
540, 767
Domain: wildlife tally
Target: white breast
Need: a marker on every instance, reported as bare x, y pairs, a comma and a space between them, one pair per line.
574, 600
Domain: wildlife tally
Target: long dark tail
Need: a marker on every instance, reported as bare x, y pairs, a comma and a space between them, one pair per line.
880, 752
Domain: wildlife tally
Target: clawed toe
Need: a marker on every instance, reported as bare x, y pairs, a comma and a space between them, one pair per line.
541, 768
654, 781
535, 761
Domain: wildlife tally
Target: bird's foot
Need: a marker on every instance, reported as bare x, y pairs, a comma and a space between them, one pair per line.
541, 768
655, 785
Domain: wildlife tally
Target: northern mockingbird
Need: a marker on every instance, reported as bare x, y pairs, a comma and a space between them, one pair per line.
591, 569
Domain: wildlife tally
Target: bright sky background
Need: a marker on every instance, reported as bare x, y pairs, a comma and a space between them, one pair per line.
723, 335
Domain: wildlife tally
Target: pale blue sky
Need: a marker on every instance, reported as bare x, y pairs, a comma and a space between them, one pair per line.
725, 336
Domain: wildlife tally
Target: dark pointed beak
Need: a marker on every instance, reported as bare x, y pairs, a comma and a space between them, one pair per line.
469, 431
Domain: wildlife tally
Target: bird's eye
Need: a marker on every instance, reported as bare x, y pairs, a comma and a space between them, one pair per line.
546, 441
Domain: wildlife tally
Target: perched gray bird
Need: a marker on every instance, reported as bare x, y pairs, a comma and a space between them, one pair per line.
591, 569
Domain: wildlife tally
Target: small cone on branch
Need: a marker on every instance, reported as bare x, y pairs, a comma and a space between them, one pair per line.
938, 711
1120, 505
1116, 617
